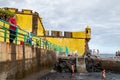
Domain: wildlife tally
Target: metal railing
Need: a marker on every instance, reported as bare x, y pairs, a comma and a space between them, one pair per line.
22, 37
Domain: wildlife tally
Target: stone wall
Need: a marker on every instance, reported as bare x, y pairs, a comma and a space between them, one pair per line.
111, 64
17, 61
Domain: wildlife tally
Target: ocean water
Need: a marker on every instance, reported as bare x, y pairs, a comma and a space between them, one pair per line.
107, 55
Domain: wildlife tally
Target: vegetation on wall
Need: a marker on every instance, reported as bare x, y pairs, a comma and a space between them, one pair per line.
5, 14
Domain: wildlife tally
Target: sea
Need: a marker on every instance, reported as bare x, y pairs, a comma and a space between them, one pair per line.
106, 55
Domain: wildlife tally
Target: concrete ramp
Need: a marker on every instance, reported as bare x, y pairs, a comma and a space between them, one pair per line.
80, 63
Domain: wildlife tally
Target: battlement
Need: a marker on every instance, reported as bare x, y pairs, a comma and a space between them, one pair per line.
66, 34
14, 10
24, 11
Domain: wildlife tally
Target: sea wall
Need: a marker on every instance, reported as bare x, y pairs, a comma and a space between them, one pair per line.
111, 64
17, 61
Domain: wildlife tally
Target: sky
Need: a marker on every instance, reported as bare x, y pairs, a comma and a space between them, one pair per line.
103, 16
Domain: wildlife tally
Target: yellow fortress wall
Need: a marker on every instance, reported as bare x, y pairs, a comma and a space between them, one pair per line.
75, 41
40, 30
81, 34
24, 21
73, 44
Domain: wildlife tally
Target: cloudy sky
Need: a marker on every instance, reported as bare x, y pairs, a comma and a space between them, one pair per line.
103, 16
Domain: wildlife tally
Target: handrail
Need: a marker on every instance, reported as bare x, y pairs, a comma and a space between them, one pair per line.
22, 38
